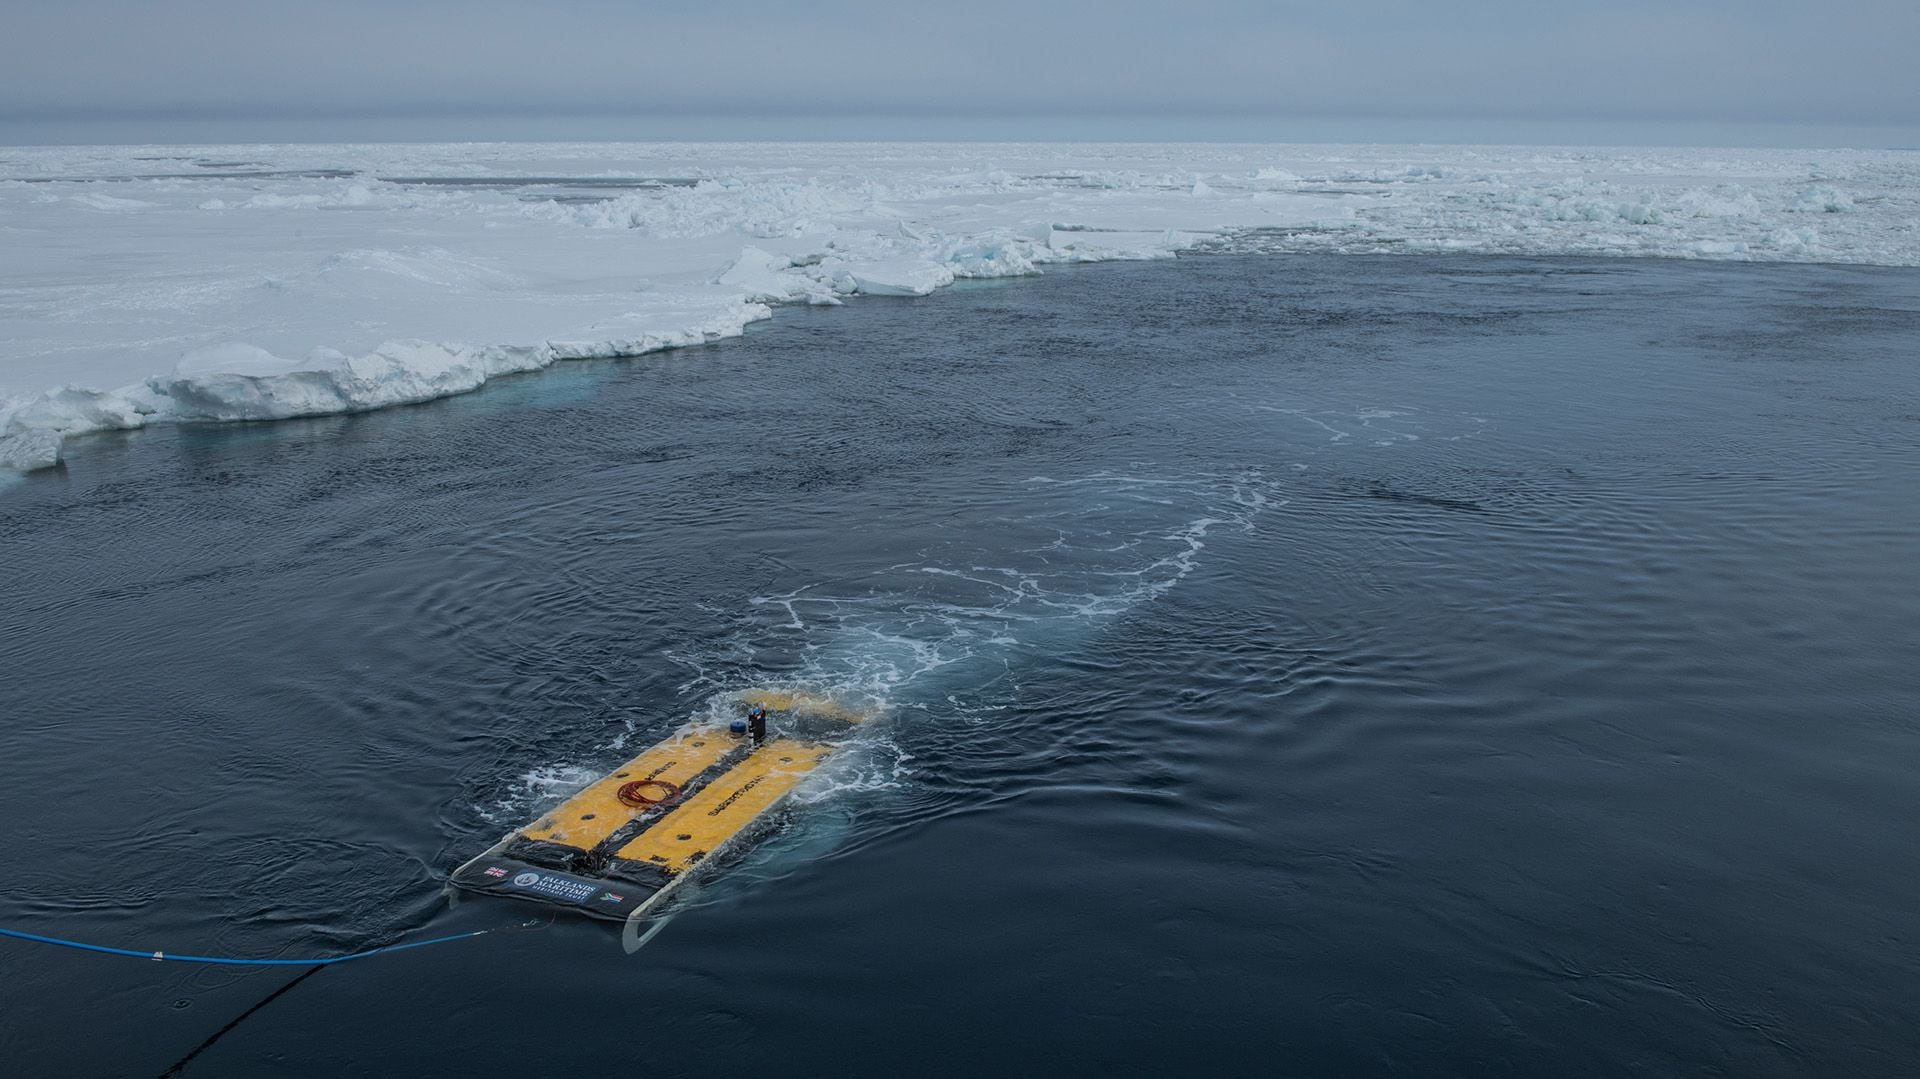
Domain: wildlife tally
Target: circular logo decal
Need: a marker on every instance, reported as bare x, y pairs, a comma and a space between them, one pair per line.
526, 880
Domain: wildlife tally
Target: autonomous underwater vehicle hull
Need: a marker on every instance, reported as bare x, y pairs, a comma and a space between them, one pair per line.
617, 849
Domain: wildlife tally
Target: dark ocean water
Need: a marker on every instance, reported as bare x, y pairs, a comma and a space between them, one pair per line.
1310, 665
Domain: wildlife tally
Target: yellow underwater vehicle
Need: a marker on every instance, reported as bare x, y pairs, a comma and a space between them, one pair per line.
617, 849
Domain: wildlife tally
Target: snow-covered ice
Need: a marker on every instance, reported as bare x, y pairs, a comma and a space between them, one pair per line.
167, 284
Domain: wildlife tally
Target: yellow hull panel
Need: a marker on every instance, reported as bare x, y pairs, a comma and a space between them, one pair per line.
798, 701
591, 816
724, 807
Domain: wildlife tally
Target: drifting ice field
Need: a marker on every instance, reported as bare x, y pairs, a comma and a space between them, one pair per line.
142, 285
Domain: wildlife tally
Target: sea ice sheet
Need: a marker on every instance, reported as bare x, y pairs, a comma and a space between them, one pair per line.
164, 284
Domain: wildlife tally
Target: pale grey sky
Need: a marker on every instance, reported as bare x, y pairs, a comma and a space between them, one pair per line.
983, 68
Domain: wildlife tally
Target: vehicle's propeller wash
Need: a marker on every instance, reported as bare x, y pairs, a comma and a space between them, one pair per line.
621, 846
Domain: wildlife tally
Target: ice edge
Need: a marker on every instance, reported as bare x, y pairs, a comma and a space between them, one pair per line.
237, 382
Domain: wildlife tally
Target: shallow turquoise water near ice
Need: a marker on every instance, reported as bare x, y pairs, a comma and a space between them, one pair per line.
1368, 665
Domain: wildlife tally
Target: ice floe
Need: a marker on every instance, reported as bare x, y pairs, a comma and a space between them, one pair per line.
342, 278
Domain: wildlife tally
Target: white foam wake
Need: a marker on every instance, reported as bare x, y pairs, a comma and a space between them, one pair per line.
1049, 562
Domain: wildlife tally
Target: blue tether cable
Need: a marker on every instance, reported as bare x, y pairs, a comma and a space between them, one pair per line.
165, 958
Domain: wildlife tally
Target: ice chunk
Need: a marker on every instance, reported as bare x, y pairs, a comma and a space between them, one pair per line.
233, 358
1821, 199
899, 277
98, 201
761, 276
75, 409
23, 449
1006, 255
